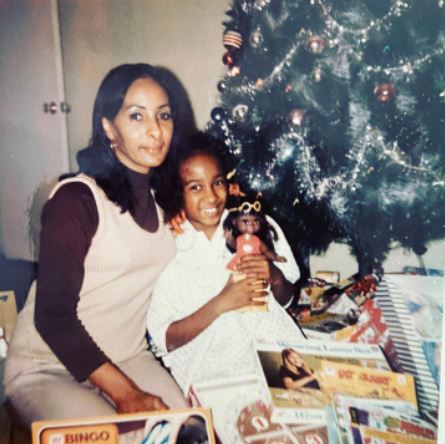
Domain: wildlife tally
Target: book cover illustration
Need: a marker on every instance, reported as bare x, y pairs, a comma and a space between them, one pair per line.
291, 375
378, 422
342, 433
366, 382
166, 427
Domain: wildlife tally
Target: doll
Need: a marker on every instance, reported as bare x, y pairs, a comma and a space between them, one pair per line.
247, 230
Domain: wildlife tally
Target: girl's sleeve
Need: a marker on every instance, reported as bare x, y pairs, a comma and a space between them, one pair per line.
165, 308
282, 248
69, 222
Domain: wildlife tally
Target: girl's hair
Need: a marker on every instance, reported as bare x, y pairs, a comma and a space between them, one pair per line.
98, 160
169, 193
251, 205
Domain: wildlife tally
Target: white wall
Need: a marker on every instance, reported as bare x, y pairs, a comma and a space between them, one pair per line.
184, 36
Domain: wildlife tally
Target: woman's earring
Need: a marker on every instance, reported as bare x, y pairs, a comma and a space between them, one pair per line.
113, 145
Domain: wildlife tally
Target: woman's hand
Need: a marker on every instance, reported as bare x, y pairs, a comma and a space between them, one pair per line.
139, 401
126, 395
241, 292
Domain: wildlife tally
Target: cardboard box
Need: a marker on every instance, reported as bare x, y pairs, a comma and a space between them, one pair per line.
137, 428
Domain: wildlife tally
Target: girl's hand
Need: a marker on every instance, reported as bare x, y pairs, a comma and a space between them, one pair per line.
256, 266
241, 293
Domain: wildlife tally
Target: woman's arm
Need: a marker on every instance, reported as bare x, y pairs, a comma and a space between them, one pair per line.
125, 394
290, 384
233, 296
69, 222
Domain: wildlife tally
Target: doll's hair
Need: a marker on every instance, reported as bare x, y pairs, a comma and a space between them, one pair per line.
249, 204
169, 195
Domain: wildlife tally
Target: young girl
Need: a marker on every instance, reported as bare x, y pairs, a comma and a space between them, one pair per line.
193, 319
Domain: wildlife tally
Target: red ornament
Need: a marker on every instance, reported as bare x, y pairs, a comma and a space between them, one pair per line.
296, 117
315, 44
385, 92
228, 59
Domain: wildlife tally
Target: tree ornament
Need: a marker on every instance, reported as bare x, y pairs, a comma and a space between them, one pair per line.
316, 74
218, 114
240, 112
234, 71
385, 92
288, 88
228, 59
222, 86
315, 44
259, 84
296, 117
256, 38
232, 39
260, 4
442, 96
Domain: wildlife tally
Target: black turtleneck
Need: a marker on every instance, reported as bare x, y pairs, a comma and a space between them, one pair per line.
69, 222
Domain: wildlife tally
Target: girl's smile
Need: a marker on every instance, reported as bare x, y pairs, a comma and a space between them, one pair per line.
205, 192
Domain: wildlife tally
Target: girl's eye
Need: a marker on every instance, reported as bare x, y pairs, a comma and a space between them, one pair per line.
136, 116
220, 182
165, 115
195, 187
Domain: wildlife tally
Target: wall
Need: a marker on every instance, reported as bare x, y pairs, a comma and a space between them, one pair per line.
184, 36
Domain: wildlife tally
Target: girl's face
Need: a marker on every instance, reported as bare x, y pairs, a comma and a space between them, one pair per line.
247, 223
204, 192
142, 130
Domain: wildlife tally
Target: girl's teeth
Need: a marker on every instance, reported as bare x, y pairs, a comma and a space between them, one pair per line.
209, 211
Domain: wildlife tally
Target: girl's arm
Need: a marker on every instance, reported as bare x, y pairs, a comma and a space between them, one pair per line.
233, 296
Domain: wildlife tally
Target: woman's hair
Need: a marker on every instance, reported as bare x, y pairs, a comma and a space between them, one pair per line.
250, 204
169, 192
285, 353
98, 160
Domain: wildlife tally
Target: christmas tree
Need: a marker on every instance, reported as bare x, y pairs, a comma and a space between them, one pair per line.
335, 111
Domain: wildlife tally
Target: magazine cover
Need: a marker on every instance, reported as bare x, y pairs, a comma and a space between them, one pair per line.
366, 382
342, 433
381, 422
166, 427
291, 375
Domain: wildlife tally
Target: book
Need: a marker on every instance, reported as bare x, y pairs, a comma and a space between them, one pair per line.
412, 307
302, 399
342, 407
327, 326
242, 414
168, 427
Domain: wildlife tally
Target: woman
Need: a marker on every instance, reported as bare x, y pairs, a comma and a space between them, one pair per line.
79, 346
294, 372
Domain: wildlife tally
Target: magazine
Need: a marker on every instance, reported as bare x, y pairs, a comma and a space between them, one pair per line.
301, 398
342, 408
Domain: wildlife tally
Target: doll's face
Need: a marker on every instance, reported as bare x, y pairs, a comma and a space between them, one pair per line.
247, 224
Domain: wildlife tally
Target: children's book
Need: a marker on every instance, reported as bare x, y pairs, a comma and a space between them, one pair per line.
301, 398
343, 405
166, 427
242, 414
412, 307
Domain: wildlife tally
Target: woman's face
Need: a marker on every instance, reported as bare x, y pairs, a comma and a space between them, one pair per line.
204, 192
295, 359
142, 130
